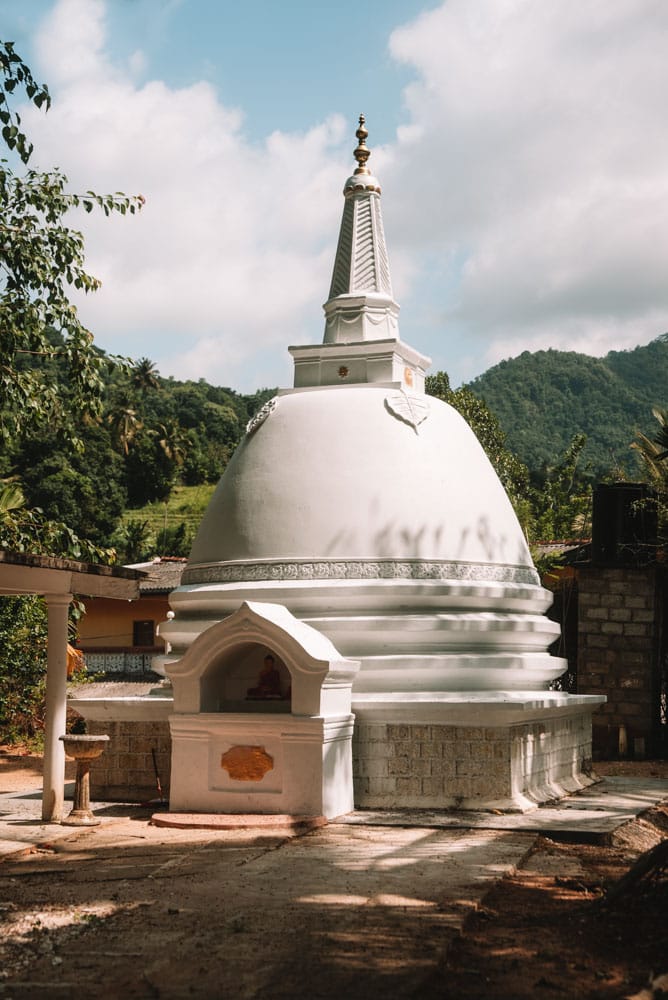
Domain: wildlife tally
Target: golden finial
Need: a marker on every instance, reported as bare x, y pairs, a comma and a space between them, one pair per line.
362, 154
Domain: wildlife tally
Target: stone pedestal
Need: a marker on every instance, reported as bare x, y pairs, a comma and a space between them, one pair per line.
83, 749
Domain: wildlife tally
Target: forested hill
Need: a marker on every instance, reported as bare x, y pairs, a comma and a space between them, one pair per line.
544, 398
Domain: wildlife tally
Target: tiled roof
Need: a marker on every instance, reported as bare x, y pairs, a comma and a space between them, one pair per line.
162, 575
572, 547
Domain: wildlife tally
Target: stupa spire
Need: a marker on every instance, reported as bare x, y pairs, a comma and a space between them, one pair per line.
361, 342
360, 304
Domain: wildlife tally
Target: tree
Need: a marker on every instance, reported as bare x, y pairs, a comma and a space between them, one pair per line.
67, 484
136, 541
176, 541
654, 451
149, 472
562, 500
26, 529
41, 260
11, 499
653, 454
125, 425
174, 441
23, 638
511, 471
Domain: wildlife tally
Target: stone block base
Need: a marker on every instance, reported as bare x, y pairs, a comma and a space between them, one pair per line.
490, 751
488, 758
125, 772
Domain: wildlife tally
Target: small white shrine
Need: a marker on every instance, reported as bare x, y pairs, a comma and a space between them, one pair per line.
260, 731
361, 572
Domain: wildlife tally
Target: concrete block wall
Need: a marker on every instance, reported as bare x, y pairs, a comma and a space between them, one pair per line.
618, 651
125, 771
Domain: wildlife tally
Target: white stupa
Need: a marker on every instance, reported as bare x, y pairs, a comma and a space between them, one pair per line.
366, 510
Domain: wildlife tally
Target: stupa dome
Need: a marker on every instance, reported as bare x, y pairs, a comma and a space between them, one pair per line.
369, 510
338, 473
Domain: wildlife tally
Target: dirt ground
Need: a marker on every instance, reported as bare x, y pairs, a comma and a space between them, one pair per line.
546, 930
151, 916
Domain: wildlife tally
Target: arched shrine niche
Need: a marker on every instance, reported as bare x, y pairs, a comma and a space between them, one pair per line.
248, 677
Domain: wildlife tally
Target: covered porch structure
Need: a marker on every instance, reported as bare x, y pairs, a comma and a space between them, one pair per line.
58, 580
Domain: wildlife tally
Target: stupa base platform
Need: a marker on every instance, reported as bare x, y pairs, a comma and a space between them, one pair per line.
502, 751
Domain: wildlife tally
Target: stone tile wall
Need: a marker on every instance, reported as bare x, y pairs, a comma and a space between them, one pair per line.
410, 764
433, 766
618, 652
125, 771
394, 765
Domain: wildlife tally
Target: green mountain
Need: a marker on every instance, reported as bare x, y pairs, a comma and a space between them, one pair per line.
543, 399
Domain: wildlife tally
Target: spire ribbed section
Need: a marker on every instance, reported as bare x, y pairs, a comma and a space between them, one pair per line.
361, 263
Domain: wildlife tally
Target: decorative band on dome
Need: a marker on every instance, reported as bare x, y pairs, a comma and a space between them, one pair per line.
359, 569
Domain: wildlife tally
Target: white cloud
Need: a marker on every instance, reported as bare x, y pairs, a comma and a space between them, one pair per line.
70, 43
231, 254
524, 196
537, 137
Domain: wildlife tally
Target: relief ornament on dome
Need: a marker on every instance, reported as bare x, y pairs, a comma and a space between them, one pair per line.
412, 410
261, 415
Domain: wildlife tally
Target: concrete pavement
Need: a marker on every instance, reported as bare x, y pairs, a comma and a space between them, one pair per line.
366, 906
587, 816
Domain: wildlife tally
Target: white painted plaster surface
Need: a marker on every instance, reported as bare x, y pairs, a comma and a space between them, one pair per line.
311, 773
332, 474
394, 540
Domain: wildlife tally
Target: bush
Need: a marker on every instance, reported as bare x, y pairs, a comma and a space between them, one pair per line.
23, 641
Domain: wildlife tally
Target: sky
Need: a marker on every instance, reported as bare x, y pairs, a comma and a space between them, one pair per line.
522, 149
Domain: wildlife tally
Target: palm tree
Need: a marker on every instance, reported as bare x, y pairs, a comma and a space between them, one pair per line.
173, 441
125, 424
654, 456
144, 376
13, 517
137, 540
662, 435
654, 451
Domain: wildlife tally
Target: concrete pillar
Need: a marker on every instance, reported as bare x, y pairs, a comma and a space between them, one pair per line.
56, 708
